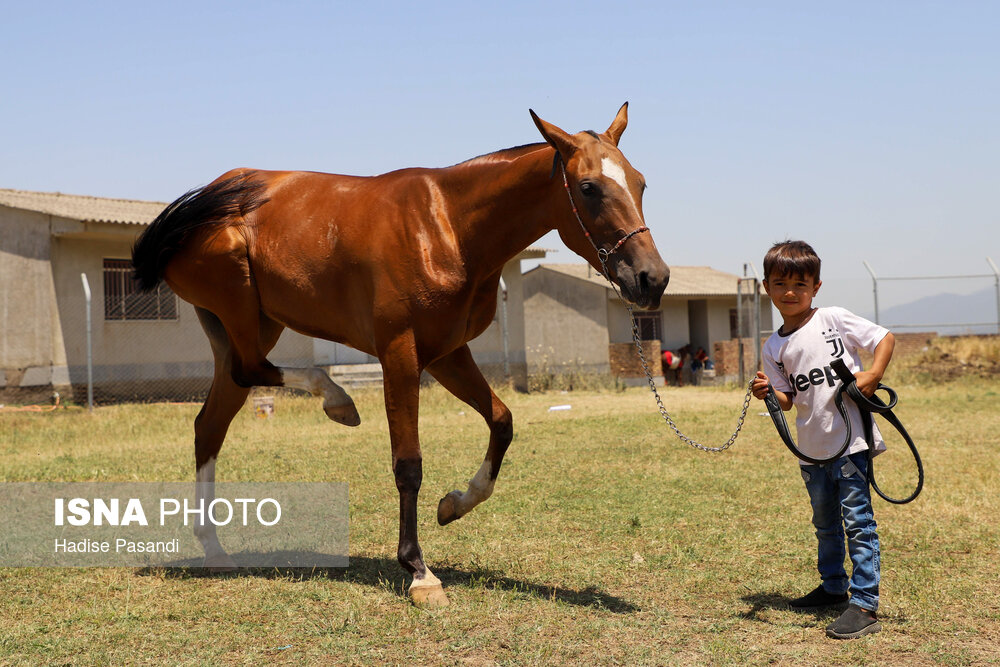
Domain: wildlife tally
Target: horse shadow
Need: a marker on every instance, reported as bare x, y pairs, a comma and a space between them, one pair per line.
385, 573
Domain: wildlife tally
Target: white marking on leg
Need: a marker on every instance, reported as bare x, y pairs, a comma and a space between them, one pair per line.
215, 555
480, 488
317, 383
427, 580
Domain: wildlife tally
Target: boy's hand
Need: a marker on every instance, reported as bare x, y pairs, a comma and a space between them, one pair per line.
760, 385
867, 382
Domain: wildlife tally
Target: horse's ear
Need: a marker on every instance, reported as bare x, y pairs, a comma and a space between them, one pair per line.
618, 125
558, 138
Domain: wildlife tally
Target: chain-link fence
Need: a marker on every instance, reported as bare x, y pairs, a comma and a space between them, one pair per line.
948, 316
123, 345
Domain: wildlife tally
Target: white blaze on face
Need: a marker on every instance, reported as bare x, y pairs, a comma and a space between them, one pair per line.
616, 173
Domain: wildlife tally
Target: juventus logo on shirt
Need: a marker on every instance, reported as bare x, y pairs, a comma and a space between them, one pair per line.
832, 336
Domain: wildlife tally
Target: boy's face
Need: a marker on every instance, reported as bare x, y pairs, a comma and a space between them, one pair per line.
792, 295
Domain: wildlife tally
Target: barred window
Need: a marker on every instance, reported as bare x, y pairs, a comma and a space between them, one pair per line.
124, 301
650, 327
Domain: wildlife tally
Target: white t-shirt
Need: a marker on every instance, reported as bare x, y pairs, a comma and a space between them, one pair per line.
799, 365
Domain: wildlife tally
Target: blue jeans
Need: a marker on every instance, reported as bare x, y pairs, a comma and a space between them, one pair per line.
841, 500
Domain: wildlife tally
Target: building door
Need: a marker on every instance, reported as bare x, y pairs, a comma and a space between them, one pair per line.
698, 324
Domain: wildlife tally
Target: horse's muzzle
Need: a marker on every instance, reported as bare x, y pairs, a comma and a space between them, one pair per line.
643, 285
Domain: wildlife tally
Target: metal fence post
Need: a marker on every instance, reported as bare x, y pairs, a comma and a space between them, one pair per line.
756, 317
90, 347
739, 326
504, 331
874, 286
996, 283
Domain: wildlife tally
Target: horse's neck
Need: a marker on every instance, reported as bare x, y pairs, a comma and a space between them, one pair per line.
505, 204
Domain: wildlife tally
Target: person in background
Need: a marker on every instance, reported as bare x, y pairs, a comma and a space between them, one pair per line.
699, 361
673, 360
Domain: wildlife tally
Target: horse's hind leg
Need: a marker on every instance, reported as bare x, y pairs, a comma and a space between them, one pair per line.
460, 375
251, 368
235, 302
337, 404
225, 398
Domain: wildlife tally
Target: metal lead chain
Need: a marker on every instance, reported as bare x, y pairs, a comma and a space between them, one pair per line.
652, 384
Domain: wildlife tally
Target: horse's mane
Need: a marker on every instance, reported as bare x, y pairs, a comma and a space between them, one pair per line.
506, 153
516, 151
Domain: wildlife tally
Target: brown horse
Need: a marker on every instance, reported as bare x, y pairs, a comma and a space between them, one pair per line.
404, 266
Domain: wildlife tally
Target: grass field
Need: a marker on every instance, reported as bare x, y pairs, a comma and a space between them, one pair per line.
607, 541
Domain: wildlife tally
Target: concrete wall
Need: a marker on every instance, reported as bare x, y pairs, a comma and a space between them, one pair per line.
674, 322
27, 296
698, 322
566, 322
43, 316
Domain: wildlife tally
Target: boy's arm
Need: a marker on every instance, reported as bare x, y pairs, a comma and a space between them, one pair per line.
868, 380
761, 383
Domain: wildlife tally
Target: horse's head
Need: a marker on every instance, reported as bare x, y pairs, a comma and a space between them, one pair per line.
606, 192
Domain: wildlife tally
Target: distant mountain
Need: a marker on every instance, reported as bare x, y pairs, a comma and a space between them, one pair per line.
939, 311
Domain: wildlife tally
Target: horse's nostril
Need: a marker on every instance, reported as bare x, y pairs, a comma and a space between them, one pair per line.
643, 282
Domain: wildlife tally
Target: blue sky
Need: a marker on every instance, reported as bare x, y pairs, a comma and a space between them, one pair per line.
868, 129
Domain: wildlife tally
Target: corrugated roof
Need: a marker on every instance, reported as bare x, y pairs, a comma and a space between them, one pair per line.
82, 207
684, 280
533, 252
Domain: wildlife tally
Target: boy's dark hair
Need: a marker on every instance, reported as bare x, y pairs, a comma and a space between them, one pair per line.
792, 258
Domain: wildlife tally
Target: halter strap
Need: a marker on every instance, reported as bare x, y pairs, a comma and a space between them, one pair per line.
602, 254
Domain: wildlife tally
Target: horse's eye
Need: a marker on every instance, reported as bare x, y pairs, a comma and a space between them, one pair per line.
589, 189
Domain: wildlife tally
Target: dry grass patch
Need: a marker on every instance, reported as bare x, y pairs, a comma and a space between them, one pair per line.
607, 541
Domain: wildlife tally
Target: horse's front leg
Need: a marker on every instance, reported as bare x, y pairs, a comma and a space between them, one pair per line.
401, 382
460, 375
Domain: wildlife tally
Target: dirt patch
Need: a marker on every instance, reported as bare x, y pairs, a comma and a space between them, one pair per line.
949, 358
949, 367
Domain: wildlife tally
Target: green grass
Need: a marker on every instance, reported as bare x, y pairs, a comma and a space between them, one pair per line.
607, 540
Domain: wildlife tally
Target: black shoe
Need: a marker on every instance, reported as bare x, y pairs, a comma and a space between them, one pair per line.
853, 623
818, 599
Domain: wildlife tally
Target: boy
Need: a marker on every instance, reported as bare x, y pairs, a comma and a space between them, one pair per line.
797, 360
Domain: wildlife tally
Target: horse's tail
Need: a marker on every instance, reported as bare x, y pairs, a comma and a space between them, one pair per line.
220, 203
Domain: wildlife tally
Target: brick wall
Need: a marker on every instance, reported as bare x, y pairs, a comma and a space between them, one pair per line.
727, 360
726, 356
625, 362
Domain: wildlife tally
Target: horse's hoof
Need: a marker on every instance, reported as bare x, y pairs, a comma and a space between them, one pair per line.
431, 596
343, 414
219, 564
446, 508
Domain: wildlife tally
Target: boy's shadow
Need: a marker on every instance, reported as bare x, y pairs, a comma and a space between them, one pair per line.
386, 573
762, 601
